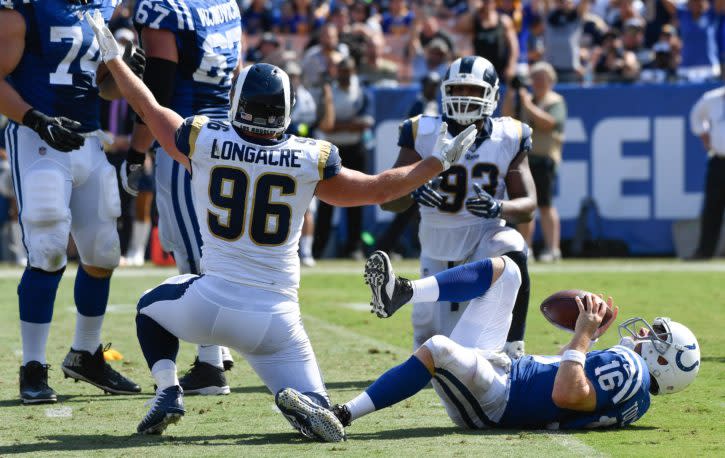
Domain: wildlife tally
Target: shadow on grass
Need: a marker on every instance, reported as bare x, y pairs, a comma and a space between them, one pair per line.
349, 385
713, 359
71, 399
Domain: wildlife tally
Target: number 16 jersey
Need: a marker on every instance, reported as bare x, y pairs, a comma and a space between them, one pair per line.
250, 197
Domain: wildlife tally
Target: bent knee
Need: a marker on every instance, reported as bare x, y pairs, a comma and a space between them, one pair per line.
441, 349
506, 270
48, 251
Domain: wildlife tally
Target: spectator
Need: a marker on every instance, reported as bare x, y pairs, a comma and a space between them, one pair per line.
590, 42
301, 17
267, 49
320, 56
522, 17
698, 23
351, 123
663, 69
545, 111
656, 16
707, 120
535, 47
633, 41
398, 19
628, 11
615, 64
435, 57
427, 101
361, 12
494, 36
259, 17
562, 36
428, 29
375, 69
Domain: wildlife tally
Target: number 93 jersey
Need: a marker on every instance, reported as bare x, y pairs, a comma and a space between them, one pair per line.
620, 378
208, 35
250, 197
450, 232
57, 73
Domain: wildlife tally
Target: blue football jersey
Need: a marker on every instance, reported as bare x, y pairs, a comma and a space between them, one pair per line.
618, 374
208, 35
57, 73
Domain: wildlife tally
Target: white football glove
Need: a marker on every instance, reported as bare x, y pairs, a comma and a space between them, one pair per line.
110, 49
448, 151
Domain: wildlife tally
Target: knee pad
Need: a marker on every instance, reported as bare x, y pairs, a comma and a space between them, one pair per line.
47, 249
44, 202
106, 250
442, 349
110, 205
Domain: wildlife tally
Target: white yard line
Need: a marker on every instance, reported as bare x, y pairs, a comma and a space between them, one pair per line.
59, 412
574, 446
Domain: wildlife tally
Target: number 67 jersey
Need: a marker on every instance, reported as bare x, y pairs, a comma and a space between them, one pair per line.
250, 196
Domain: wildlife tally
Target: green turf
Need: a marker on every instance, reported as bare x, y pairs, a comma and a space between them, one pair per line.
353, 347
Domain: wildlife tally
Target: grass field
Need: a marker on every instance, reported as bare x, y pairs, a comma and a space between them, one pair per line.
353, 347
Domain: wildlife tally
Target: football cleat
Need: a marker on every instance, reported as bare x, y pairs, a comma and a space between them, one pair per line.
34, 387
204, 379
389, 291
309, 418
342, 413
167, 407
93, 368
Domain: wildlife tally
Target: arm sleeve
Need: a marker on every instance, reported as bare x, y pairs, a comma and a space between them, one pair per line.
617, 375
329, 162
162, 15
406, 137
525, 143
187, 134
558, 112
699, 124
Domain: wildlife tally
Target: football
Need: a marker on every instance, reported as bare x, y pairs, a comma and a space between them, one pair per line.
561, 310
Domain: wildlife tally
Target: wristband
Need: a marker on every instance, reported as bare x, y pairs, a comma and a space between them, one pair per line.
574, 356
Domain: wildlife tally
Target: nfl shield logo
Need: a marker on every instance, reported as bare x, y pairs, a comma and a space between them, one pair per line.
42, 150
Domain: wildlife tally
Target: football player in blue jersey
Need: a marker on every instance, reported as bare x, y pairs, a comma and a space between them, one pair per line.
49, 88
192, 49
481, 387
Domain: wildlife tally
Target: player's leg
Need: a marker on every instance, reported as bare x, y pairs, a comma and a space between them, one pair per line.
42, 182
141, 226
95, 205
424, 314
179, 233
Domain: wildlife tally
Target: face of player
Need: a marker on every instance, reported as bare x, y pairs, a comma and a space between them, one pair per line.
466, 90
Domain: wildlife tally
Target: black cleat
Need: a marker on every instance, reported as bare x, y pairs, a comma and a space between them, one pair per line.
342, 413
34, 387
389, 292
205, 379
309, 418
92, 368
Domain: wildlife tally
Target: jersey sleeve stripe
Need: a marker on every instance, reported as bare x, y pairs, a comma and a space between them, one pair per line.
187, 14
179, 17
196, 126
415, 121
325, 148
628, 389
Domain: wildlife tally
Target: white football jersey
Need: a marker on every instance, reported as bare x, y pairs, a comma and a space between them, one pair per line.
450, 232
250, 197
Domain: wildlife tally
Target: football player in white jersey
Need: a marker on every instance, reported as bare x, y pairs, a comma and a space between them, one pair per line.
252, 185
464, 211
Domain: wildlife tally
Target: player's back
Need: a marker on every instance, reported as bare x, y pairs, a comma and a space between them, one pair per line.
251, 195
618, 374
208, 35
57, 73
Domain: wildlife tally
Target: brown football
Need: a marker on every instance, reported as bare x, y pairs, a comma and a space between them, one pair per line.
561, 310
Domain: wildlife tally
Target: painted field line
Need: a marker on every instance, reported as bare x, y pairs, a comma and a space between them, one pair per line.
574, 445
59, 412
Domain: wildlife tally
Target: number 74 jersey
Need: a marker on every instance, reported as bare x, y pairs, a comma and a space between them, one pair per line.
250, 197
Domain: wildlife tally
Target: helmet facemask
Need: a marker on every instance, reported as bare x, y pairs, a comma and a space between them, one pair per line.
464, 109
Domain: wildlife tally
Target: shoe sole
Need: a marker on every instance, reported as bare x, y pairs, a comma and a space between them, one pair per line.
39, 401
170, 419
377, 273
208, 391
69, 373
322, 422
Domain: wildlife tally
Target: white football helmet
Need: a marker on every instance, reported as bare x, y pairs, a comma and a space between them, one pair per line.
470, 71
670, 350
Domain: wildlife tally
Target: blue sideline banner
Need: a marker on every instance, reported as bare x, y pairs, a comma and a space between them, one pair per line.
627, 147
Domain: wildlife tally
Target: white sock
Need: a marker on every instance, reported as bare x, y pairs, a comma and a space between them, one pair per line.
211, 354
139, 237
306, 246
425, 290
360, 406
35, 338
164, 372
88, 333
226, 354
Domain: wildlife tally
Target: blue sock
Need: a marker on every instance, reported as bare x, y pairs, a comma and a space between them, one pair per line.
399, 383
91, 293
36, 294
156, 342
465, 282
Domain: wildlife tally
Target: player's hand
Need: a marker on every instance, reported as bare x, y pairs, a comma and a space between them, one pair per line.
603, 328
57, 132
428, 195
448, 151
135, 58
132, 171
591, 314
484, 205
110, 49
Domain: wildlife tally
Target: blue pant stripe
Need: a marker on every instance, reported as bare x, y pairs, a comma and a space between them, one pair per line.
165, 292
468, 395
192, 214
456, 402
11, 139
179, 217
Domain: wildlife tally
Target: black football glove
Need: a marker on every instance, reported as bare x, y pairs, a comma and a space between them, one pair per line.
428, 195
135, 58
132, 171
57, 132
484, 205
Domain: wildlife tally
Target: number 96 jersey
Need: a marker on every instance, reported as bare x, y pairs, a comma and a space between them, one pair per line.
250, 197
449, 232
